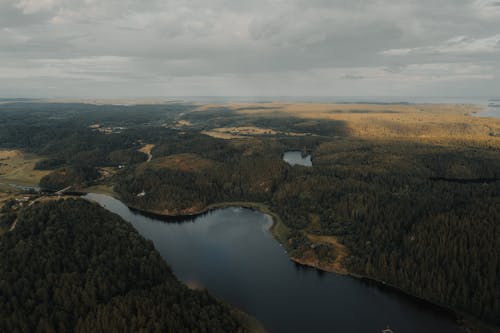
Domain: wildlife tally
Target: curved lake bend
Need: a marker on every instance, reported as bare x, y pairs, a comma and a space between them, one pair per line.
232, 253
296, 158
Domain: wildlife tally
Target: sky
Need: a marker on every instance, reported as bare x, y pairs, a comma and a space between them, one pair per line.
155, 48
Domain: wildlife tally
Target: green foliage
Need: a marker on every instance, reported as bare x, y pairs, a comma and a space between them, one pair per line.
49, 164
72, 266
422, 217
69, 176
435, 238
177, 191
62, 133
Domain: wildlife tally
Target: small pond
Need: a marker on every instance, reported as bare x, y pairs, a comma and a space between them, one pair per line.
297, 158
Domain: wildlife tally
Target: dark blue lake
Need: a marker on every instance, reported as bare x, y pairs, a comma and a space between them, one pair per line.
232, 253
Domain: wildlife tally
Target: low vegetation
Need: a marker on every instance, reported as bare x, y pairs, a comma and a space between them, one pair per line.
19, 168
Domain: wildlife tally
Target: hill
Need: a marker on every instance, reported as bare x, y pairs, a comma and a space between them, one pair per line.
69, 265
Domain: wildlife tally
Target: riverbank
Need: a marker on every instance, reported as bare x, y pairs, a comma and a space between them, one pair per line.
281, 233
278, 229
222, 241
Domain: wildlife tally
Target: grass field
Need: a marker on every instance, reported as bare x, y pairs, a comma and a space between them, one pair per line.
18, 168
422, 122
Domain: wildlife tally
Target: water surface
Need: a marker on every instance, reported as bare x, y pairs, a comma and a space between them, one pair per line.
296, 158
492, 110
232, 254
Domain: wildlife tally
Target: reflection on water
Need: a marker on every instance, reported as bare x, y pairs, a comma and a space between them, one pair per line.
232, 253
296, 158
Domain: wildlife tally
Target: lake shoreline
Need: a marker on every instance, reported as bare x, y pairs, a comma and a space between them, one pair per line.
280, 232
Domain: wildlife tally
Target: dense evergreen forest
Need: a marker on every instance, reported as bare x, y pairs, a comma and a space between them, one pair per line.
421, 215
70, 265
436, 239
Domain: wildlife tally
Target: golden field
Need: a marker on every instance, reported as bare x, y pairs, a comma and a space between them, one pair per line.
18, 167
422, 122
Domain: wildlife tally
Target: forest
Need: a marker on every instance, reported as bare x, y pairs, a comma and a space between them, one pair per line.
420, 212
434, 238
70, 265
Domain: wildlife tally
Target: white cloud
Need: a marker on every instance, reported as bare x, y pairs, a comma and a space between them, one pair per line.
202, 47
489, 9
456, 45
34, 6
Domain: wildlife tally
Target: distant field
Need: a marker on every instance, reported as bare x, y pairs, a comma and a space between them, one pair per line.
435, 122
17, 167
241, 132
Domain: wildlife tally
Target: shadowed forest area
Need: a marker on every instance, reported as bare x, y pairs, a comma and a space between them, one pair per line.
408, 194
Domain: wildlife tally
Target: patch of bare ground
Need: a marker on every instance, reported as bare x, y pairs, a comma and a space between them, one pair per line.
310, 258
107, 172
222, 135
146, 149
6, 154
183, 123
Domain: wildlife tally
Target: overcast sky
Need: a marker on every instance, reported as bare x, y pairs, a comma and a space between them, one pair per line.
119, 48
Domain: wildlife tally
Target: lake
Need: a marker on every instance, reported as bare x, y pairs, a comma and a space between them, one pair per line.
490, 111
296, 158
232, 253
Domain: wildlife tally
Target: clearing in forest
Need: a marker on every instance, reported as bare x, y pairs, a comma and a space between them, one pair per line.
19, 168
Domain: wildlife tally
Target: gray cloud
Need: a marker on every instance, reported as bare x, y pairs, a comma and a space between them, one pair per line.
461, 45
262, 47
